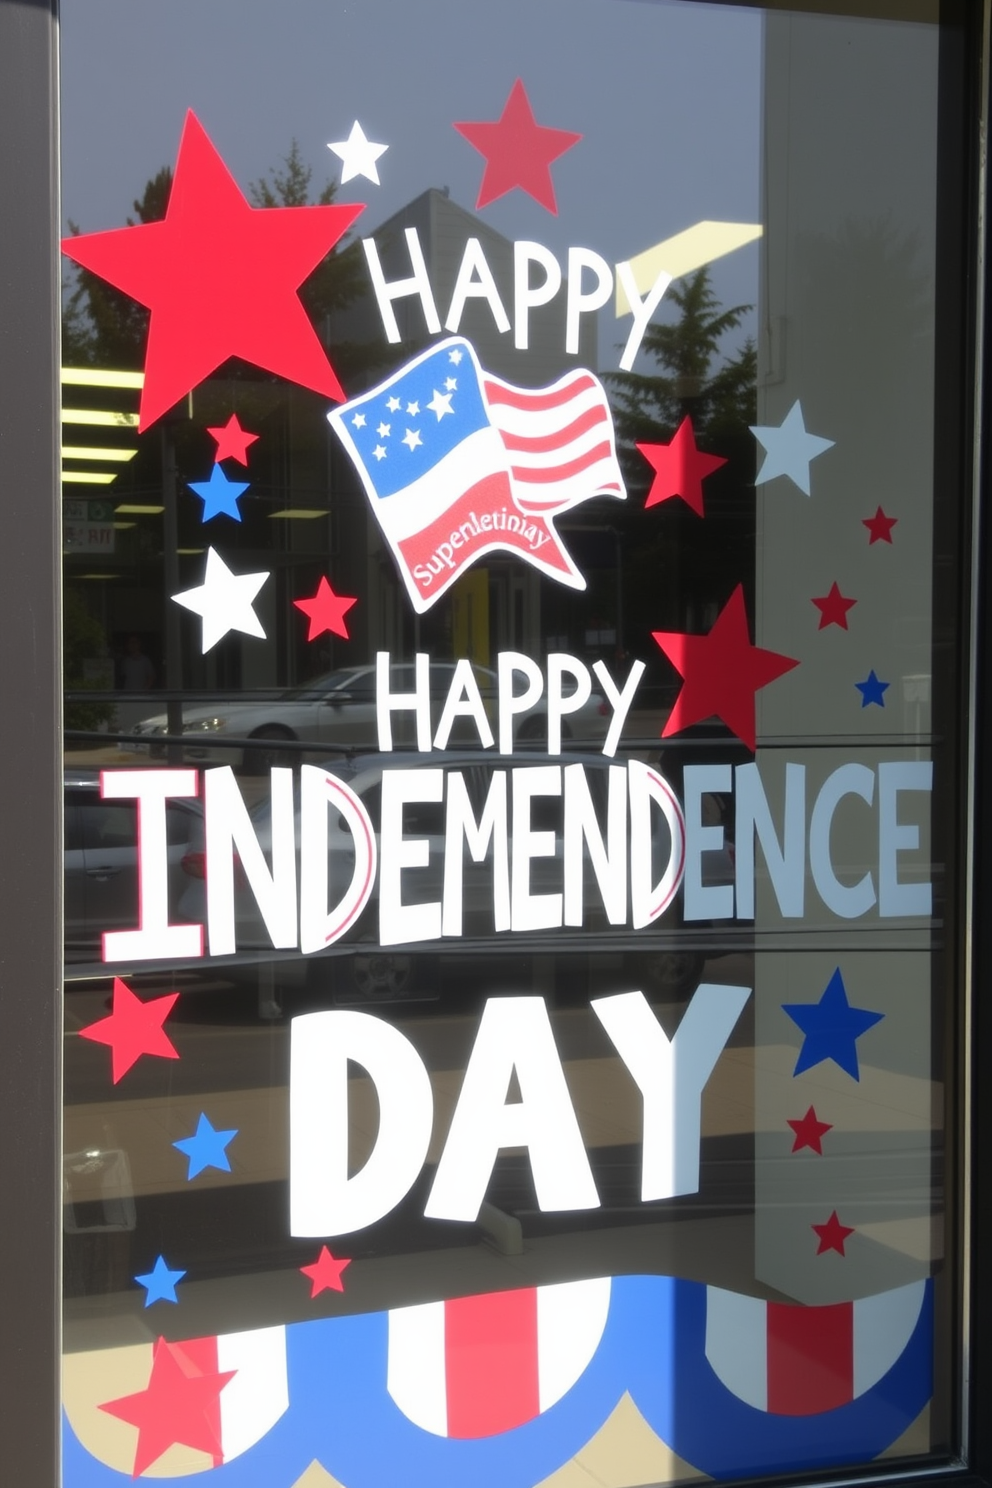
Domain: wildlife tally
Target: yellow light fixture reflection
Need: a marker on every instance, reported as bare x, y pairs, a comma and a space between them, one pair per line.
98, 576
686, 251
107, 418
123, 526
88, 452
298, 514
189, 552
130, 509
89, 477
102, 377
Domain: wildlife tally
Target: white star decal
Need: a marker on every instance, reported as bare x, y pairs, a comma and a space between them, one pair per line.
413, 409
383, 431
358, 155
411, 439
455, 356
451, 383
379, 452
393, 404
359, 421
440, 404
224, 601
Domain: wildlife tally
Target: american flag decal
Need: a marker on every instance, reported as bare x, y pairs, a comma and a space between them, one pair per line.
457, 463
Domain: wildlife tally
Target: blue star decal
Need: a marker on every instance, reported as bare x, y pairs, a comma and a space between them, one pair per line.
788, 449
219, 495
831, 1028
872, 690
206, 1148
160, 1283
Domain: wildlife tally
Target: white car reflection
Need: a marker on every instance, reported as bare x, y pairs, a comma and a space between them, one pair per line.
338, 710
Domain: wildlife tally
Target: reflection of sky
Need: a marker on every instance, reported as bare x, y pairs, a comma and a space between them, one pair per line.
682, 145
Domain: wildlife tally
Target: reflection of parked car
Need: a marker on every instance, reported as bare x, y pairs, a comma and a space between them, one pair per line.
101, 861
338, 709
665, 968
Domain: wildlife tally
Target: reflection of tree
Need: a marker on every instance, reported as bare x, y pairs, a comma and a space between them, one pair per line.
82, 640
719, 396
680, 569
105, 328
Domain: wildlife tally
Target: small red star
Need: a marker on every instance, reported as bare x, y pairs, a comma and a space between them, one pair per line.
722, 672
232, 441
879, 527
325, 1273
518, 151
832, 1235
833, 608
220, 279
133, 1028
809, 1132
679, 468
326, 611
180, 1404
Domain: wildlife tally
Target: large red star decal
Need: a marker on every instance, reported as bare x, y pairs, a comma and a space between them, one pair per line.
809, 1132
326, 611
133, 1028
325, 1273
518, 151
679, 468
180, 1404
833, 608
832, 1235
220, 278
722, 671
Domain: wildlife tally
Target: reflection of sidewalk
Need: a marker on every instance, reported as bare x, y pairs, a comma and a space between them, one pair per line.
104, 755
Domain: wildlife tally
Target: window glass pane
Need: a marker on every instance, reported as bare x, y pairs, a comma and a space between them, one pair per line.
507, 909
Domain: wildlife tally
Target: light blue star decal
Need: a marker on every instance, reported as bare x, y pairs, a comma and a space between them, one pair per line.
872, 690
206, 1148
219, 495
160, 1283
788, 449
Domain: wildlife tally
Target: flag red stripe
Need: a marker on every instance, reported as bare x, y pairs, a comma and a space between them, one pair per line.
525, 398
490, 1345
539, 475
540, 443
810, 1358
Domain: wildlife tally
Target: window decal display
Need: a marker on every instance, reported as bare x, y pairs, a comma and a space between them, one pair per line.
514, 816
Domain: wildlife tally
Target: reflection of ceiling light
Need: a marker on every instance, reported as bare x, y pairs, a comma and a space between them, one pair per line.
109, 417
298, 514
123, 526
97, 576
129, 509
90, 477
99, 377
189, 552
88, 452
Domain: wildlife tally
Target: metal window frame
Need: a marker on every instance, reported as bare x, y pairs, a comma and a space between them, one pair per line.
30, 754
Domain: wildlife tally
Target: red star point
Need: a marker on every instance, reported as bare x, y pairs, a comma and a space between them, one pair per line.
232, 441
833, 608
809, 1132
832, 1235
133, 1028
220, 279
879, 527
518, 151
326, 611
679, 468
722, 671
325, 1273
181, 1404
